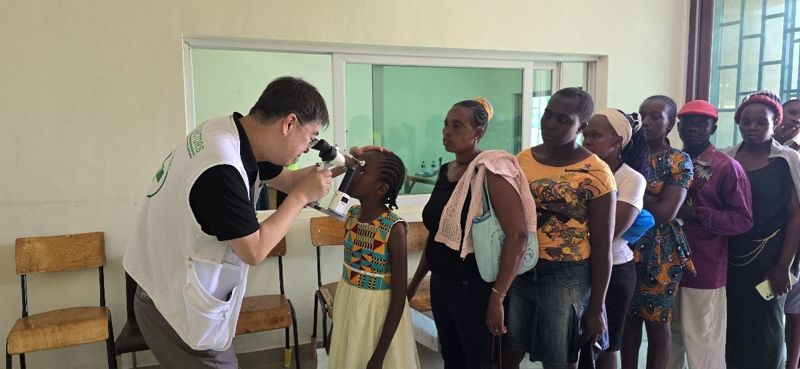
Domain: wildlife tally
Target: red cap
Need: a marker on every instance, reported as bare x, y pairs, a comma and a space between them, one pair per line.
699, 107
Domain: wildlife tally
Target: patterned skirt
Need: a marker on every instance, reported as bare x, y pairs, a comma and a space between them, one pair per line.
661, 257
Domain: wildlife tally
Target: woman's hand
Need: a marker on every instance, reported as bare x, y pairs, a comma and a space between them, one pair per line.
495, 316
358, 151
593, 326
779, 280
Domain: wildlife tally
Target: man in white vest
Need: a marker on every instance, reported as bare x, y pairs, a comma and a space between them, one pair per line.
197, 233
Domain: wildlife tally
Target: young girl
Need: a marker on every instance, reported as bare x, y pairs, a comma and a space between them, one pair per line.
617, 138
372, 325
662, 255
557, 306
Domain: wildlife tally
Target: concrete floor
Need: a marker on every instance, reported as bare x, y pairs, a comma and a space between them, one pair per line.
273, 359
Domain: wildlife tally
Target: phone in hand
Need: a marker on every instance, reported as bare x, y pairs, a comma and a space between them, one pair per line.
765, 288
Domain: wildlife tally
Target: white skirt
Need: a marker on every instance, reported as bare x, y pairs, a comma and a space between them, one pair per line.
358, 316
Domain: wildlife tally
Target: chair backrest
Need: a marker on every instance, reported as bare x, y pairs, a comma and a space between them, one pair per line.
326, 231
417, 236
59, 253
279, 250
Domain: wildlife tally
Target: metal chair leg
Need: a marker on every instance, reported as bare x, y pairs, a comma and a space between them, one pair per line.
8, 360
324, 325
133, 359
296, 343
110, 346
313, 343
22, 361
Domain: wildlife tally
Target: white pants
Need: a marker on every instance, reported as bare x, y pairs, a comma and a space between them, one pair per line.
699, 326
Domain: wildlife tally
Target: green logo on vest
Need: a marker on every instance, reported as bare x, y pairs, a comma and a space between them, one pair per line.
194, 142
161, 175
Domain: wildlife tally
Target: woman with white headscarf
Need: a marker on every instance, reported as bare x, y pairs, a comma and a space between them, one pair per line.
617, 139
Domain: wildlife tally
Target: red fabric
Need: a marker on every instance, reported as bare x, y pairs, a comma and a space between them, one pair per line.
771, 101
699, 107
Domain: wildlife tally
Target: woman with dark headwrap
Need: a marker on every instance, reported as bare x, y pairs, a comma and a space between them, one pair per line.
755, 324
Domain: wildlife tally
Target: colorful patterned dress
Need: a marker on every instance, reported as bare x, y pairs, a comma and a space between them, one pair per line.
662, 254
363, 296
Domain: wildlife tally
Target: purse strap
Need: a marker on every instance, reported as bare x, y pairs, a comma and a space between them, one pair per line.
487, 203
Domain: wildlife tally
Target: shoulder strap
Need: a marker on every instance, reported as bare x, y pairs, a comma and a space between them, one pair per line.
487, 204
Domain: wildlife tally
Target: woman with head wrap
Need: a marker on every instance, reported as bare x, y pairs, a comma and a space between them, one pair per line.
617, 139
765, 253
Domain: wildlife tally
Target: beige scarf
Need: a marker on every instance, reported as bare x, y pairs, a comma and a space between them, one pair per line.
498, 162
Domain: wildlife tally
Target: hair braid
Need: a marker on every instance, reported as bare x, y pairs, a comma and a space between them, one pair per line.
393, 173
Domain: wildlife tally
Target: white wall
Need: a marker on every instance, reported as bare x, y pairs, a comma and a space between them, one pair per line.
92, 97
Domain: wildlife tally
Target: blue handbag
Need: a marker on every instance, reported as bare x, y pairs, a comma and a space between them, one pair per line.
643, 222
487, 240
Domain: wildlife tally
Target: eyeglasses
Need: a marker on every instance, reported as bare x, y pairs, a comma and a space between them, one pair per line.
312, 140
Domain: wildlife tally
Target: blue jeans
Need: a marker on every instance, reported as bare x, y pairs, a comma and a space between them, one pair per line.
546, 306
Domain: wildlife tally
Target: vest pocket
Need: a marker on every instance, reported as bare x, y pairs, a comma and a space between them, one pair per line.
209, 319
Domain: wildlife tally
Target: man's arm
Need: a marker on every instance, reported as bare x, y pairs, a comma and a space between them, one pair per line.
253, 248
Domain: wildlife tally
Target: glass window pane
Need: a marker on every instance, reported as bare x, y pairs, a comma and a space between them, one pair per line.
408, 105
542, 89
749, 66
752, 17
731, 10
724, 137
727, 89
771, 77
730, 45
795, 75
775, 6
232, 80
773, 39
796, 14
573, 75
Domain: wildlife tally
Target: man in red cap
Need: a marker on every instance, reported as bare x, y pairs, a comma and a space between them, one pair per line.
717, 205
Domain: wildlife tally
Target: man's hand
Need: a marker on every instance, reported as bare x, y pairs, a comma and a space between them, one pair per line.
789, 129
314, 185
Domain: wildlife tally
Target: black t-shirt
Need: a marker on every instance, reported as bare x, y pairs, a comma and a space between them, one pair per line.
219, 198
441, 259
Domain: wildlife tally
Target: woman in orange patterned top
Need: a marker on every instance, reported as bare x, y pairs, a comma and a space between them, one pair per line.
662, 254
557, 307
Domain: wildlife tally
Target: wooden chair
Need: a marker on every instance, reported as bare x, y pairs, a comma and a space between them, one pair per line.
68, 326
269, 312
417, 239
325, 231
130, 339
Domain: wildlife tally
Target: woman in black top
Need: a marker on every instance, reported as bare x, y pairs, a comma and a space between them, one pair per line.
468, 311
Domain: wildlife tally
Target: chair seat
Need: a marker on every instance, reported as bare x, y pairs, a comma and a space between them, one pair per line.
130, 340
58, 328
329, 294
263, 313
422, 298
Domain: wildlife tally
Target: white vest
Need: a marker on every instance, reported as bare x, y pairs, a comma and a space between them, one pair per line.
195, 281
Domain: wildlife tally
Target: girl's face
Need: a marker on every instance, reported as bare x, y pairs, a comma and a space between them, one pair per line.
561, 122
655, 119
366, 181
601, 139
755, 123
459, 133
